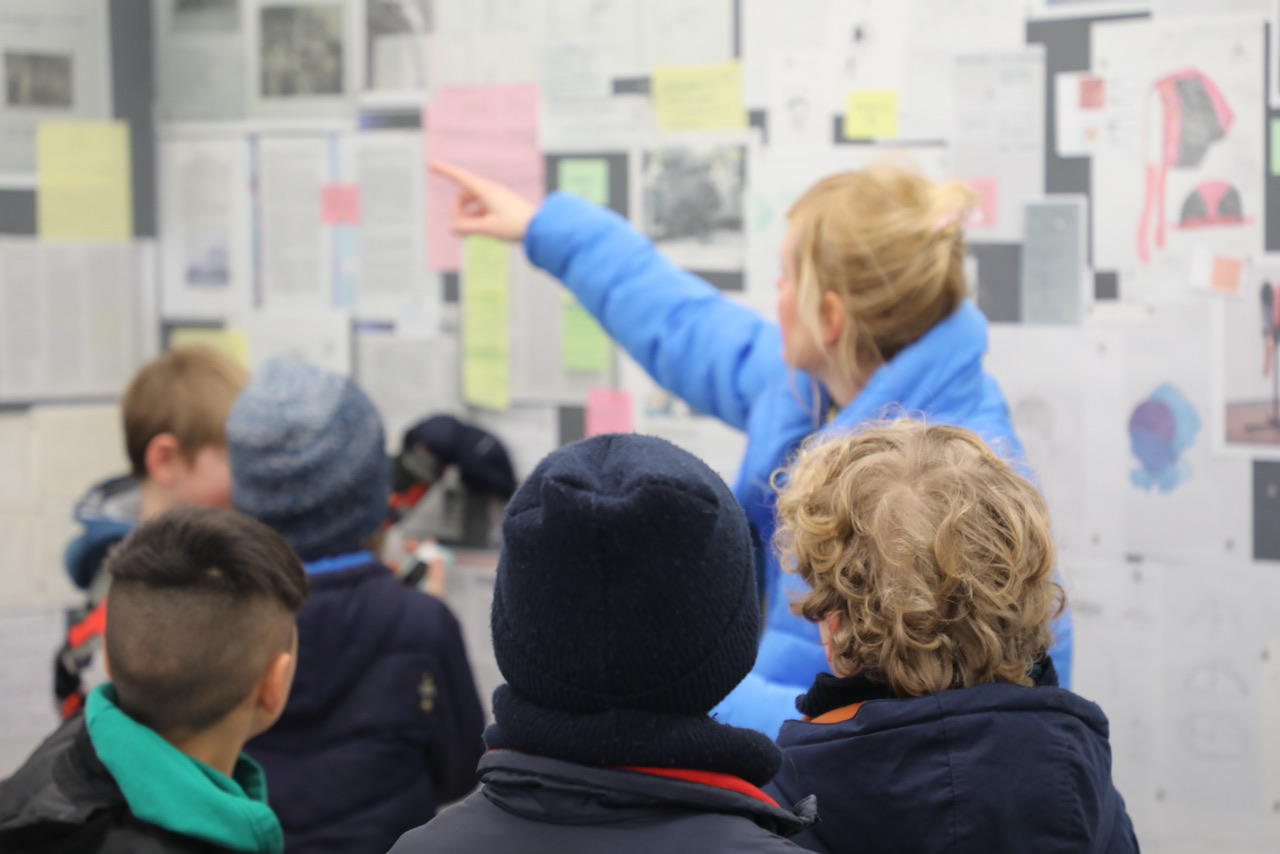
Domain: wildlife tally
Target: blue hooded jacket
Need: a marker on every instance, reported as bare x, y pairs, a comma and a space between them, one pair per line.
725, 359
107, 512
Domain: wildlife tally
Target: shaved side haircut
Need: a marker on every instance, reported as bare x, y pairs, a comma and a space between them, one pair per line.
201, 600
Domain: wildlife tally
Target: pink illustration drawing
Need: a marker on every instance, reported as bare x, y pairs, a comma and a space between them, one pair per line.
1212, 203
1196, 115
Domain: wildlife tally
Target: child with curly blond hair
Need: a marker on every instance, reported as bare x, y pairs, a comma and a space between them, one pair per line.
941, 727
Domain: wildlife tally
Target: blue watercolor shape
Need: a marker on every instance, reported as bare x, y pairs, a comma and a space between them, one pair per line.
1160, 429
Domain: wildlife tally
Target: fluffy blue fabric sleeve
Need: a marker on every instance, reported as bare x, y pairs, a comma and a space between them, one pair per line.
713, 352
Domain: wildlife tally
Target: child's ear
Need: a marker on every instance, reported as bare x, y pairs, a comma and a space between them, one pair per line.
832, 317
277, 680
163, 457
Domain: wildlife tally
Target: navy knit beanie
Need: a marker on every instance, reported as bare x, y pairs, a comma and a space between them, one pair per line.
308, 458
625, 582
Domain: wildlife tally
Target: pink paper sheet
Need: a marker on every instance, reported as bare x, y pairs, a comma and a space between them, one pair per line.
340, 204
608, 411
491, 130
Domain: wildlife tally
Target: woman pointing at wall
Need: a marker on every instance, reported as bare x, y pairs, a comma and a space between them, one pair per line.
872, 319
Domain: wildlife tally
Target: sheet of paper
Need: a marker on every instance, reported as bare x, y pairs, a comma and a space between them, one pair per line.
71, 319
17, 461
1183, 501
614, 26
319, 335
302, 57
232, 342
798, 112
487, 43
491, 130
871, 114
340, 204
689, 198
206, 271
602, 123
1092, 111
1192, 179
296, 260
608, 411
699, 97
687, 32
28, 637
557, 352
587, 177
76, 447
58, 68
391, 267
398, 45
799, 27
571, 71
1246, 397
584, 344
200, 68
486, 346
408, 379
1000, 132
1053, 262
84, 189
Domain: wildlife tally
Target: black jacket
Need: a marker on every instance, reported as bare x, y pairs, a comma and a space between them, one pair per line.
64, 801
533, 804
383, 723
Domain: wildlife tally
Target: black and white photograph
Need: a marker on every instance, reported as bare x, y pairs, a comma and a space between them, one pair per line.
205, 16
396, 34
301, 50
38, 79
694, 204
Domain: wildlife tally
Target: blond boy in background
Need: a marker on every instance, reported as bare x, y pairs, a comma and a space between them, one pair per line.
174, 412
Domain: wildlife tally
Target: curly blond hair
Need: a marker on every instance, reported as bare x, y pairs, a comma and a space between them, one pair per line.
889, 243
935, 555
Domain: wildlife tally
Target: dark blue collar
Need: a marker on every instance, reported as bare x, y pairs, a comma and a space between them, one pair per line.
334, 563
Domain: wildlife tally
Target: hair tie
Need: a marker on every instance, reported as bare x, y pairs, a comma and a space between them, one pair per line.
948, 220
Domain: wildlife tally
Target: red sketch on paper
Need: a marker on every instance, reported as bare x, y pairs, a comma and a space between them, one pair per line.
1212, 203
1196, 115
985, 213
1093, 93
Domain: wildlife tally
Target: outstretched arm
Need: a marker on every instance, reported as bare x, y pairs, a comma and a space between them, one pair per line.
713, 352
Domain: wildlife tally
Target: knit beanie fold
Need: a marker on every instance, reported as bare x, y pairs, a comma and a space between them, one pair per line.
625, 582
307, 457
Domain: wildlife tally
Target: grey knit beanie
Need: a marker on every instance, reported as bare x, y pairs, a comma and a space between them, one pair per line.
307, 457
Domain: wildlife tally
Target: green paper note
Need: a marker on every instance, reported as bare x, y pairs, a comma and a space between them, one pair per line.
587, 177
584, 346
485, 320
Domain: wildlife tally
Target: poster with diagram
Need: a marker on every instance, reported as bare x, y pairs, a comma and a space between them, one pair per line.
1180, 190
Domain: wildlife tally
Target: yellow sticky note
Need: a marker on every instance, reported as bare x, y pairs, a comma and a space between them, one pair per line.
486, 348
84, 181
232, 342
584, 346
699, 97
587, 177
871, 114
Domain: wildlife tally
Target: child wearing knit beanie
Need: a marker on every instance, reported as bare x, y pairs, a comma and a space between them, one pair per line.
929, 562
624, 609
384, 722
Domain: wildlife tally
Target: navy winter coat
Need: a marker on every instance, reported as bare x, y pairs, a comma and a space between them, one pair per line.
383, 723
537, 805
983, 770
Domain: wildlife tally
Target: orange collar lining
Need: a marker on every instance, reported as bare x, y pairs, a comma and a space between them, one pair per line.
836, 716
708, 778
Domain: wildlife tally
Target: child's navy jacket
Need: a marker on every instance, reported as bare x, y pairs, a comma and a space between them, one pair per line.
993, 768
383, 723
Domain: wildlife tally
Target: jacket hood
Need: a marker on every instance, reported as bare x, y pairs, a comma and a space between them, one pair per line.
347, 622
107, 513
995, 767
543, 789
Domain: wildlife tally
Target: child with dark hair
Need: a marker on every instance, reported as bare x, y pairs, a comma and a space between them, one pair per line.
941, 727
201, 648
384, 723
